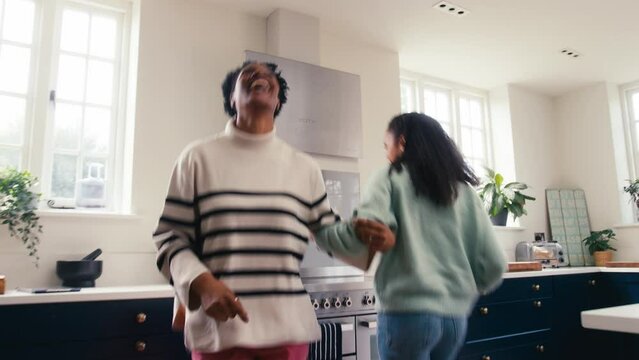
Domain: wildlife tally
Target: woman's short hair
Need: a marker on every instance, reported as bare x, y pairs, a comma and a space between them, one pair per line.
228, 86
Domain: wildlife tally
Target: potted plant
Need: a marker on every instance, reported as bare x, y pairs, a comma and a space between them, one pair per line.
501, 200
633, 190
598, 244
17, 208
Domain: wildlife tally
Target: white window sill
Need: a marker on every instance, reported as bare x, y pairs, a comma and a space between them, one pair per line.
85, 213
626, 226
508, 228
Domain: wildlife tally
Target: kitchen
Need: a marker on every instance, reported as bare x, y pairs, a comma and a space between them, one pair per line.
546, 111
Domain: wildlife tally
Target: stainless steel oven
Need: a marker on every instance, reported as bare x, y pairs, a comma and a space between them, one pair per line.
366, 337
349, 302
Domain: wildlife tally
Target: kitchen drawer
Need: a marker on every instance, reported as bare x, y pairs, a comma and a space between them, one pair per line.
531, 346
61, 322
492, 320
520, 289
163, 347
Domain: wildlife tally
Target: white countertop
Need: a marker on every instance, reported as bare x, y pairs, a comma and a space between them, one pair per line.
568, 271
618, 318
14, 297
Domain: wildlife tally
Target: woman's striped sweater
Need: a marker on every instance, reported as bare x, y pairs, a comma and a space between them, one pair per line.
243, 207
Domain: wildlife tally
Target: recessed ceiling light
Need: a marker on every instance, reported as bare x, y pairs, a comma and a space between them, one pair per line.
570, 53
451, 9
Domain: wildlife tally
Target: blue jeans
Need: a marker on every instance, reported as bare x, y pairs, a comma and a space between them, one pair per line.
419, 336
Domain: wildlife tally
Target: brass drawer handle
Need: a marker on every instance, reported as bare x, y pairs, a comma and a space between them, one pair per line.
140, 346
540, 348
485, 357
140, 318
592, 282
536, 287
537, 303
483, 310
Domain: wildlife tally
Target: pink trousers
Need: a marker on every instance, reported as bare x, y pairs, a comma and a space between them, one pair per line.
284, 352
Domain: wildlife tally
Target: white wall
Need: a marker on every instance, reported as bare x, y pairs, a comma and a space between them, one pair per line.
535, 149
524, 147
593, 158
586, 152
186, 48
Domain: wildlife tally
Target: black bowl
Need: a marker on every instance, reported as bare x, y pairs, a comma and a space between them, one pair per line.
79, 273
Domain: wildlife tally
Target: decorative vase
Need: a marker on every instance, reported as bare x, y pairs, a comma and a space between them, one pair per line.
602, 257
501, 218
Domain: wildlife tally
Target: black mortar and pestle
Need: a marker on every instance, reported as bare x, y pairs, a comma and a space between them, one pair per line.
80, 273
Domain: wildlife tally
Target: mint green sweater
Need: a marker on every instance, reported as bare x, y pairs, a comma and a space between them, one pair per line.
444, 257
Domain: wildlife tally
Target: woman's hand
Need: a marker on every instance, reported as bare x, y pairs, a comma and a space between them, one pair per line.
216, 298
377, 236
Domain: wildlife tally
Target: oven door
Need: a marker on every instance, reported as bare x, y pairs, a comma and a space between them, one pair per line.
366, 335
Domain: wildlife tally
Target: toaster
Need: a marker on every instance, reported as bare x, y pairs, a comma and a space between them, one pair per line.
550, 254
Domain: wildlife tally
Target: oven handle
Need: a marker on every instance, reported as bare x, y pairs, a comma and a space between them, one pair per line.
347, 327
369, 324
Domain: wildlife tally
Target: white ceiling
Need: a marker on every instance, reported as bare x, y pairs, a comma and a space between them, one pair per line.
499, 42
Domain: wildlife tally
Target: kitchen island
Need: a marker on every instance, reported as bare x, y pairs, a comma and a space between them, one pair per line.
617, 318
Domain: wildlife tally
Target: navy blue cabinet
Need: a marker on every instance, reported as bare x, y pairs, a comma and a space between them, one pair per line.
514, 322
574, 294
620, 289
540, 318
127, 329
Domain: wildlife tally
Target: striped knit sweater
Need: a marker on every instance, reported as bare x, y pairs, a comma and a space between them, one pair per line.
243, 207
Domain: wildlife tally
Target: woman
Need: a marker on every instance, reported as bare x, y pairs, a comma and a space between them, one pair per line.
445, 253
240, 210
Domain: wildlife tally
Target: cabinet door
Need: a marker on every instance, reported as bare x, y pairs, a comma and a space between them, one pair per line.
532, 346
623, 288
574, 294
60, 322
163, 347
500, 319
520, 289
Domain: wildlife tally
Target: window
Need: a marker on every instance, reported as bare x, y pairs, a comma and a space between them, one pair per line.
16, 77
632, 102
71, 135
461, 112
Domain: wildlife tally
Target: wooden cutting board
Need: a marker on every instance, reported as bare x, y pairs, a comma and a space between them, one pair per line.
524, 266
625, 264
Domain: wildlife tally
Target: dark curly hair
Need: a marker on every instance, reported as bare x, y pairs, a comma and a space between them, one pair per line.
433, 161
228, 86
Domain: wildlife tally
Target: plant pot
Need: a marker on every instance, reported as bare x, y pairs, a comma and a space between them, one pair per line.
500, 219
602, 257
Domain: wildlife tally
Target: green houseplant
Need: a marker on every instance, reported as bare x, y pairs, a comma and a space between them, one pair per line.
501, 199
598, 244
17, 208
633, 190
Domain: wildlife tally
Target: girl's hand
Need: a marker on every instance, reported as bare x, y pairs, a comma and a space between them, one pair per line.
377, 236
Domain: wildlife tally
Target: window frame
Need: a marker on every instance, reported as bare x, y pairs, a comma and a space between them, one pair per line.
456, 91
631, 126
26, 151
37, 149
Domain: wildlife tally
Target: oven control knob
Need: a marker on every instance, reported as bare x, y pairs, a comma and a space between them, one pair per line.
326, 303
315, 304
368, 300
561, 252
337, 303
347, 301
